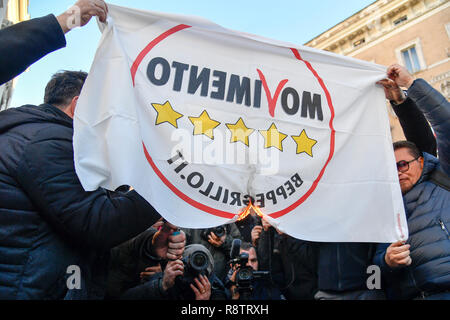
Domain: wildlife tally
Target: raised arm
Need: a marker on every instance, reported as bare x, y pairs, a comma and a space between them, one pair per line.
93, 219
26, 42
432, 104
414, 124
436, 109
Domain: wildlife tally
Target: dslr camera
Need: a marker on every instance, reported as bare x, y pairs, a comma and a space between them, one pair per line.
218, 231
195, 264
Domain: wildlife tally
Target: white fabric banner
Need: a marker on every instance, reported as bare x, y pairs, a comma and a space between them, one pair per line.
206, 122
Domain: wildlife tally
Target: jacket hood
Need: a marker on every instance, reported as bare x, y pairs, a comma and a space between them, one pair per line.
430, 163
32, 114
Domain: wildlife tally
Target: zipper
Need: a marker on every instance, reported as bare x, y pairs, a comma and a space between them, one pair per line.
444, 228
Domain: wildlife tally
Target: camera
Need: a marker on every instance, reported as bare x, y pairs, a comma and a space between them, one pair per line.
196, 262
218, 231
245, 275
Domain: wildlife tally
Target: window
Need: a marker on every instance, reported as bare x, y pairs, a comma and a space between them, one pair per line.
411, 56
359, 42
400, 20
411, 59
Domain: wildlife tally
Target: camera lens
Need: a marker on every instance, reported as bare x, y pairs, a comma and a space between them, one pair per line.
199, 261
219, 231
245, 274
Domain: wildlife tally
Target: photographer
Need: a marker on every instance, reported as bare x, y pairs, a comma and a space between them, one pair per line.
244, 280
191, 278
136, 260
218, 241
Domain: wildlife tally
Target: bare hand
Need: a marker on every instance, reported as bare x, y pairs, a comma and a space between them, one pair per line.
158, 224
202, 288
215, 240
173, 269
150, 271
233, 288
177, 243
397, 255
166, 244
392, 91
400, 76
266, 225
81, 13
256, 233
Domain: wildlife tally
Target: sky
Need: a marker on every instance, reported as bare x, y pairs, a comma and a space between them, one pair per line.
295, 21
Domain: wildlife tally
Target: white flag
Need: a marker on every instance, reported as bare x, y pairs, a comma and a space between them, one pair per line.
206, 123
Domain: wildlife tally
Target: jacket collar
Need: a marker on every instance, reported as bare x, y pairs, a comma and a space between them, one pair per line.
430, 163
55, 111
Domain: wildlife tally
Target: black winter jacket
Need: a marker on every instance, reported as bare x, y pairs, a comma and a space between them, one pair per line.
415, 126
292, 264
47, 221
26, 42
343, 266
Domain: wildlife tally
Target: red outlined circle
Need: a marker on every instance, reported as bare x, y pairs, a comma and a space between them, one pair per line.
210, 210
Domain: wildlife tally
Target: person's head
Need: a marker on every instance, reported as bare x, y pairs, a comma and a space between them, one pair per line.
252, 257
409, 164
63, 89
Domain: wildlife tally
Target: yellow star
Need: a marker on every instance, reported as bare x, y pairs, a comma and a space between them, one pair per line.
204, 125
304, 143
166, 114
239, 132
273, 137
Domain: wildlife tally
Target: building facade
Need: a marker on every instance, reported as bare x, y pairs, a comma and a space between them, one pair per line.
413, 33
11, 12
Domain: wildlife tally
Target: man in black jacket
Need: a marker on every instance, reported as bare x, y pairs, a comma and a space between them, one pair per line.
260, 286
26, 42
48, 224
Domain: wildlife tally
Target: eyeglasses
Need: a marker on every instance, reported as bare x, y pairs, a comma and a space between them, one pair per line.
403, 166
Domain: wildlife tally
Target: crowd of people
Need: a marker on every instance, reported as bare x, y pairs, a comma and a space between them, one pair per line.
125, 250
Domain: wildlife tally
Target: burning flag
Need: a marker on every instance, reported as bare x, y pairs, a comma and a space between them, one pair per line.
208, 123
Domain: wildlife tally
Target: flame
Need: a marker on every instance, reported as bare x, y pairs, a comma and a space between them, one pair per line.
258, 211
247, 211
